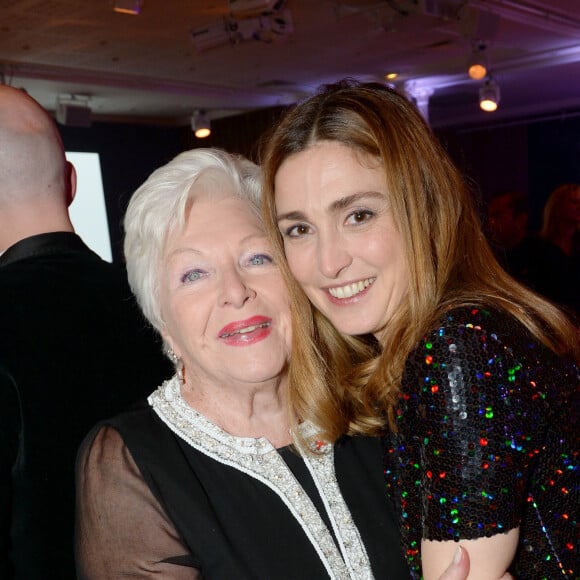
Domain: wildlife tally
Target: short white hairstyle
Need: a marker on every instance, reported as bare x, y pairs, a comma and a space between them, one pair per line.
158, 208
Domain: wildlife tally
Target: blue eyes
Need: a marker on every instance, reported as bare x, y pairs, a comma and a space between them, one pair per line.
253, 260
260, 259
192, 276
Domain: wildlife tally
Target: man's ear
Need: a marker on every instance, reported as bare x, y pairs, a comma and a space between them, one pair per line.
71, 182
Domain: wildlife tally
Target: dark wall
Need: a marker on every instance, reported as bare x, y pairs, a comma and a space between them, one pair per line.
554, 157
242, 134
531, 156
493, 159
128, 154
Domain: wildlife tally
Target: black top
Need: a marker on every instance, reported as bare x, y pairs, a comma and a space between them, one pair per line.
233, 505
488, 433
74, 349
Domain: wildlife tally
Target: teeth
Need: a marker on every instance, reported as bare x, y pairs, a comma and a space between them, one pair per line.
351, 290
246, 329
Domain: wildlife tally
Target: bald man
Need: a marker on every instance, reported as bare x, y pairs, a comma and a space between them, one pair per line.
73, 346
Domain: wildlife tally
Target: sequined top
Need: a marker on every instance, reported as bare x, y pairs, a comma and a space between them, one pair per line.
488, 441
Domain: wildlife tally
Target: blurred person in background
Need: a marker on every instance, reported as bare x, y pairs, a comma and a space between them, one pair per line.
507, 226
554, 269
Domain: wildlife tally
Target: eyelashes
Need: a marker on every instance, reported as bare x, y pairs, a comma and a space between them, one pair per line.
254, 260
261, 259
354, 218
192, 276
360, 216
296, 231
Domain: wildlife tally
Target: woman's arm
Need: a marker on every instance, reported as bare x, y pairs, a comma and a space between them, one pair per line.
121, 529
473, 462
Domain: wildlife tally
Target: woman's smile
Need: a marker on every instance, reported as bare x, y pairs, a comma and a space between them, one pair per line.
350, 290
340, 237
246, 332
222, 289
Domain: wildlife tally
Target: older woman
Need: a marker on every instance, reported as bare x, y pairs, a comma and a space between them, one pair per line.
203, 482
472, 372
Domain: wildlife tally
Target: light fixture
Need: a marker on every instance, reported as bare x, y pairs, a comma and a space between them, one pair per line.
73, 110
200, 124
210, 36
477, 63
489, 96
391, 76
248, 20
128, 6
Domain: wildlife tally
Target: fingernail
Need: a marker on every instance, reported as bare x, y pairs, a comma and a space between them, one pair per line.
457, 556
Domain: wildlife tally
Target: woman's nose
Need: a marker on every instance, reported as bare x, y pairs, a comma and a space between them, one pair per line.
235, 290
333, 255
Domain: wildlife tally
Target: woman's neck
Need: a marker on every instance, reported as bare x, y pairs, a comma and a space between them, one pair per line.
249, 410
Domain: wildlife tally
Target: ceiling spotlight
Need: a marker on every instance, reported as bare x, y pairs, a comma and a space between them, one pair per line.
200, 124
477, 63
73, 110
128, 6
489, 96
391, 76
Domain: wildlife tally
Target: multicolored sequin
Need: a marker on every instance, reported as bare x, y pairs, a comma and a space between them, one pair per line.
488, 431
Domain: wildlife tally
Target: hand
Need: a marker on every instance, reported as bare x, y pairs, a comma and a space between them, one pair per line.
459, 567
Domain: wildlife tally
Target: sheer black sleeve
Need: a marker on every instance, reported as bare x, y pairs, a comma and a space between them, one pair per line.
121, 529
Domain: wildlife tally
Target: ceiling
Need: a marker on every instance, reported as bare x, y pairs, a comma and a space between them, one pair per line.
159, 66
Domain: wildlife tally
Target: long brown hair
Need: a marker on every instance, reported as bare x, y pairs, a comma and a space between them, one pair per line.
449, 260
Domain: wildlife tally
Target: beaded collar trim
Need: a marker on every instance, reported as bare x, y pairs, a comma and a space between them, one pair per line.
260, 460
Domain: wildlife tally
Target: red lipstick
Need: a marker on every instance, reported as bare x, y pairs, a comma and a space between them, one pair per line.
246, 332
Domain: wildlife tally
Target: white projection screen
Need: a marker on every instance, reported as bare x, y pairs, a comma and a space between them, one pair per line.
88, 210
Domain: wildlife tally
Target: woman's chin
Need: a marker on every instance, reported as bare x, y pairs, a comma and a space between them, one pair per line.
353, 327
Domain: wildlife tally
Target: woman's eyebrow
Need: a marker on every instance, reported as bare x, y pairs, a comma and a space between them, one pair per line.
292, 215
335, 206
348, 200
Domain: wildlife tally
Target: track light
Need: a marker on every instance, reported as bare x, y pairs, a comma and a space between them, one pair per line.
489, 96
128, 6
477, 63
73, 110
200, 124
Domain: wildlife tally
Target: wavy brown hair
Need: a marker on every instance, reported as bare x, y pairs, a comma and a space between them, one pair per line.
348, 384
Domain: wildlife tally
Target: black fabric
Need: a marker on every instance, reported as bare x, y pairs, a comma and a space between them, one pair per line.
487, 441
236, 527
73, 350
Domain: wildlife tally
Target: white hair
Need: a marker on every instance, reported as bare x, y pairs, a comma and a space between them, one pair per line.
159, 206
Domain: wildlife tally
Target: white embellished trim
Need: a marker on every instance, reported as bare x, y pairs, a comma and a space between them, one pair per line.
260, 460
